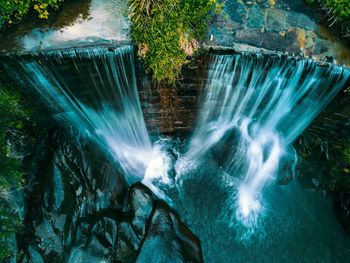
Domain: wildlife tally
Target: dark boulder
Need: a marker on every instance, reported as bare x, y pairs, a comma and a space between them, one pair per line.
141, 204
168, 239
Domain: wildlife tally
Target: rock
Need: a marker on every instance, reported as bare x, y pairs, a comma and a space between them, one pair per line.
58, 188
59, 222
123, 253
82, 255
321, 46
294, 41
276, 20
127, 234
141, 204
50, 242
267, 40
167, 235
106, 231
295, 19
76, 210
256, 18
236, 11
35, 255
301, 38
309, 43
19, 144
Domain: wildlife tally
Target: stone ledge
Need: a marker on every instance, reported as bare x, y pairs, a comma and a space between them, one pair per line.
240, 48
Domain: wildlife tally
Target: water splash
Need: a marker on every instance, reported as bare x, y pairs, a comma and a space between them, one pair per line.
266, 103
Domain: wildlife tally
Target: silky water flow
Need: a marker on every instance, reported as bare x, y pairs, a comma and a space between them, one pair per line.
253, 108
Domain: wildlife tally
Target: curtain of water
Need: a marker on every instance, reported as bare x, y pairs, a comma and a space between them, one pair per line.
266, 103
253, 106
100, 97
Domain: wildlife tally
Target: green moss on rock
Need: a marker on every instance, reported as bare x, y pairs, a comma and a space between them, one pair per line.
12, 117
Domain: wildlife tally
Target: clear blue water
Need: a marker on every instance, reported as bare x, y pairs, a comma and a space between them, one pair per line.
297, 225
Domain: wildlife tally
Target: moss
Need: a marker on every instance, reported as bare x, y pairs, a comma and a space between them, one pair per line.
168, 31
346, 151
12, 11
339, 10
12, 117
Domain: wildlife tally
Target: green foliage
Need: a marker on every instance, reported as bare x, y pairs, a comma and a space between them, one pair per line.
167, 31
12, 11
12, 115
338, 9
346, 151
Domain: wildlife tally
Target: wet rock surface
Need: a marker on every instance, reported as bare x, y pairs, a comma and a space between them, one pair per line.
79, 208
175, 242
286, 26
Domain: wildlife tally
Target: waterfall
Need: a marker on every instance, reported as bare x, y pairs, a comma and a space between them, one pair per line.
256, 107
100, 98
252, 109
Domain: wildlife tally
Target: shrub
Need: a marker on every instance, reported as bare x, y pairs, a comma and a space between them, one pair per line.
346, 151
167, 31
12, 11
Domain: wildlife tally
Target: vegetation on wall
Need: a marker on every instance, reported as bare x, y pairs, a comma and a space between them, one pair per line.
338, 10
12, 11
330, 165
12, 116
168, 31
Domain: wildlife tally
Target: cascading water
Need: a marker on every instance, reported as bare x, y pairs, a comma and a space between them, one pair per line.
267, 103
109, 112
253, 107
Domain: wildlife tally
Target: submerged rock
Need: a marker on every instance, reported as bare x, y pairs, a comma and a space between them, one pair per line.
141, 204
168, 239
